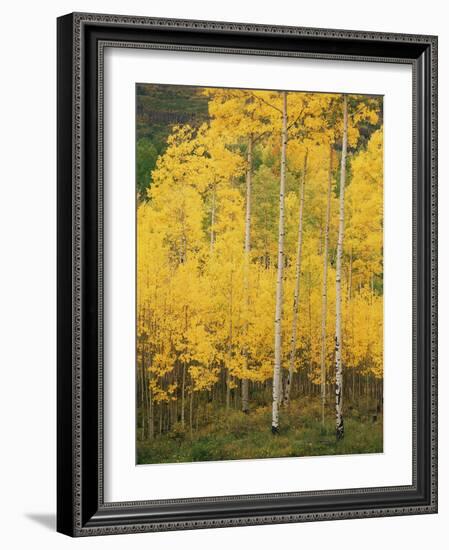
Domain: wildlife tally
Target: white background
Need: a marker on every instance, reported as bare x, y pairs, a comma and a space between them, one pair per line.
27, 303
123, 480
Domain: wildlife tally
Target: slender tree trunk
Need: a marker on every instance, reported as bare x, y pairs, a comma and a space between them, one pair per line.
338, 319
183, 394
353, 384
149, 403
184, 373
293, 339
228, 372
281, 388
151, 416
191, 415
249, 170
212, 220
142, 393
350, 277
280, 273
324, 291
309, 308
359, 385
228, 389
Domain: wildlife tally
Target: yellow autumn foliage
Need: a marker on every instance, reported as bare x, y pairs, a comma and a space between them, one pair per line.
201, 322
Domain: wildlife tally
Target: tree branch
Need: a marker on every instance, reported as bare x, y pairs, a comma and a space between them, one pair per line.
266, 102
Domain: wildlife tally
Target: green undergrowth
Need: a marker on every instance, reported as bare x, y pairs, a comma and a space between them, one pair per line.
234, 435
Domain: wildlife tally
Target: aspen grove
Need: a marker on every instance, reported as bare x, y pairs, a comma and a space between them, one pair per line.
259, 274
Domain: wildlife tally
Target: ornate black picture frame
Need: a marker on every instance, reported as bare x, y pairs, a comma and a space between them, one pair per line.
81, 510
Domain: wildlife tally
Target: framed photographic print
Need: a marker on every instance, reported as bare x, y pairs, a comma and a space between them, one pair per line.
247, 284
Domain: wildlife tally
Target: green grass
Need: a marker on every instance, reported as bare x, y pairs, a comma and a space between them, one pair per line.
234, 435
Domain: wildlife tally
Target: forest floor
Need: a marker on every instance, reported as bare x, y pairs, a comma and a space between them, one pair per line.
231, 435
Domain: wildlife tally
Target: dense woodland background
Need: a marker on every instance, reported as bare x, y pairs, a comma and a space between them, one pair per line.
260, 297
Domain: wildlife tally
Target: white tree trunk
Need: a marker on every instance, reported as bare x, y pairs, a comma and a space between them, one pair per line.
183, 394
350, 277
324, 287
151, 415
280, 272
212, 220
294, 336
249, 170
149, 397
228, 372
183, 388
341, 228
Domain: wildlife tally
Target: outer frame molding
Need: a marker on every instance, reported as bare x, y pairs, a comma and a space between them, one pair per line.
81, 510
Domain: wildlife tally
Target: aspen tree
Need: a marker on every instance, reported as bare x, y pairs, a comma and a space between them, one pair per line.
294, 334
280, 272
249, 173
236, 116
237, 229
324, 285
338, 301
212, 218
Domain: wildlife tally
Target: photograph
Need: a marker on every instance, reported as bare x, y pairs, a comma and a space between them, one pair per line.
259, 273
223, 221
246, 272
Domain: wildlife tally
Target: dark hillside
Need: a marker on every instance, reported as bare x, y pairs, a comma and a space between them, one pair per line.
158, 108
